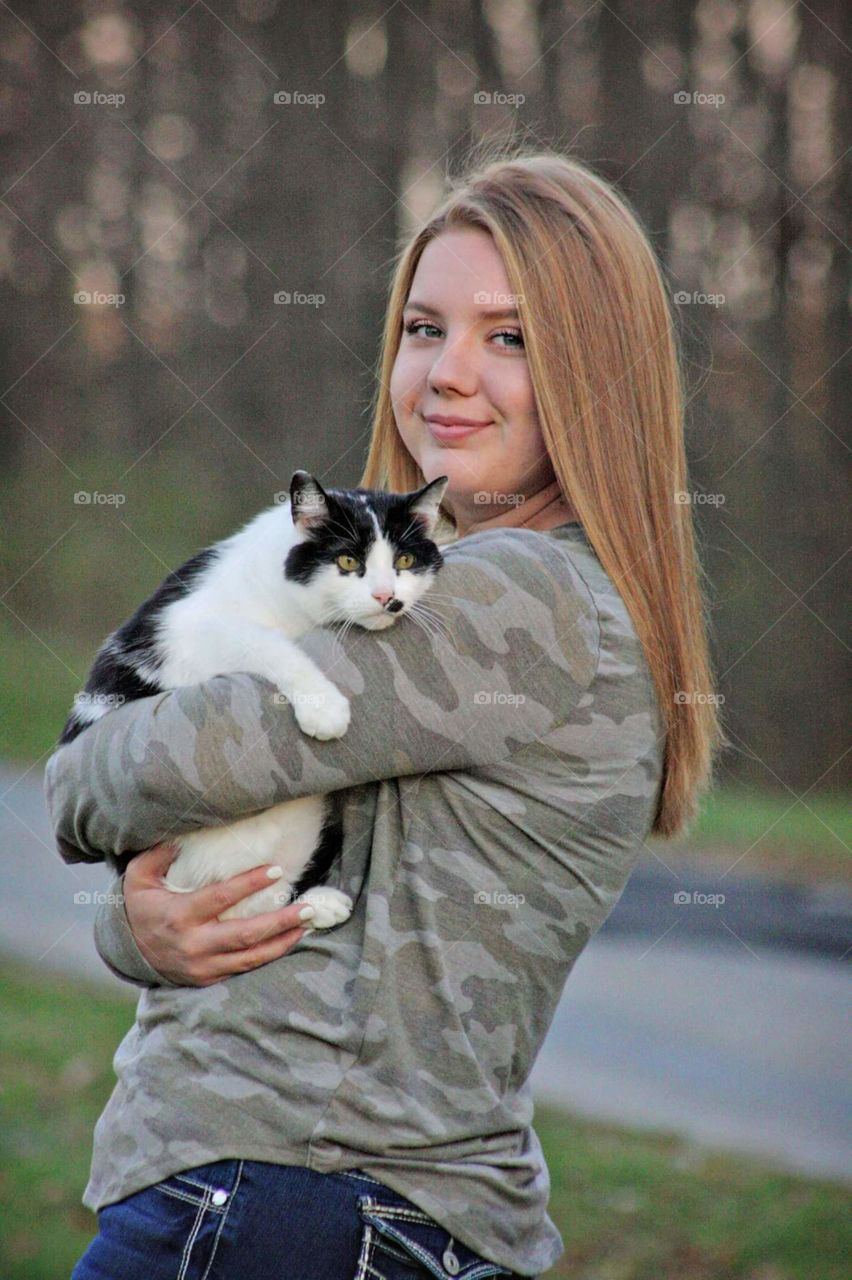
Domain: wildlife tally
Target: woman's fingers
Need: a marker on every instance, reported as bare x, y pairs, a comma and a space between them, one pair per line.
206, 904
181, 935
251, 958
250, 931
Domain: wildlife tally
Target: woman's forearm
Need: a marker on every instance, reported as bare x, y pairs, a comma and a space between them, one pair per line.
517, 649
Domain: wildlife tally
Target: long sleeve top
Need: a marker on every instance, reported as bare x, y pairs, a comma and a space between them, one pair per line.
497, 781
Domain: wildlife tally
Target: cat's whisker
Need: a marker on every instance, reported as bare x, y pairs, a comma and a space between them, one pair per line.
436, 610
427, 618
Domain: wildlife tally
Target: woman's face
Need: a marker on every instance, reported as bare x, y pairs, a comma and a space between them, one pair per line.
454, 361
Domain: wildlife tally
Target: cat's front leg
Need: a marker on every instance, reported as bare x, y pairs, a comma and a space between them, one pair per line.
214, 645
321, 710
331, 906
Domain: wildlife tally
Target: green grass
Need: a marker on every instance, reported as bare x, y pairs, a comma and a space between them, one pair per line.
37, 686
736, 815
770, 833
629, 1205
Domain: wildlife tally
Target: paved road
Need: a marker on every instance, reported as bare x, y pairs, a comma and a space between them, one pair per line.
697, 1017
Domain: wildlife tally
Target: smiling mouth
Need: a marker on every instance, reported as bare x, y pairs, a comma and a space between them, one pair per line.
454, 430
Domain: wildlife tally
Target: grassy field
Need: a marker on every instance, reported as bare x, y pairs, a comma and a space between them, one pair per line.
630, 1206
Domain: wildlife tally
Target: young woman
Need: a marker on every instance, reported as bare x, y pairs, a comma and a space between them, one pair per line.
363, 1108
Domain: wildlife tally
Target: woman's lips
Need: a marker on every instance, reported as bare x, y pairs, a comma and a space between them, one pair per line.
450, 430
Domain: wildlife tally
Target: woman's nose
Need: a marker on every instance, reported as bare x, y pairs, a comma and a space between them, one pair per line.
454, 370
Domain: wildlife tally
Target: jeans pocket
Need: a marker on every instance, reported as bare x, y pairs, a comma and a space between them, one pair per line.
401, 1242
169, 1230
207, 1185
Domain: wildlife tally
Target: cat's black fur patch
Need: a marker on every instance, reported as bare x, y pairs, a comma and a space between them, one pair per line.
350, 530
113, 671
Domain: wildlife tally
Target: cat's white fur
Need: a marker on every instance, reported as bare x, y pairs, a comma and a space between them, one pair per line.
243, 614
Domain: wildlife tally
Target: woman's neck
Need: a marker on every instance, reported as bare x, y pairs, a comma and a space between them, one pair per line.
543, 510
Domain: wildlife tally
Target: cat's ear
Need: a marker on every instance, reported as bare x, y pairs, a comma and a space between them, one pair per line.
308, 501
426, 501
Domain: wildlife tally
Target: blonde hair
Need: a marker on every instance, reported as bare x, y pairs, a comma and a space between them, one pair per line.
605, 368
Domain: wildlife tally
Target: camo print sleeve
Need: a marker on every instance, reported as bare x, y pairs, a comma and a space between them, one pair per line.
512, 646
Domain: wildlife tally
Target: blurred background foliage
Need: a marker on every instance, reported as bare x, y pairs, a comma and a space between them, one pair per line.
146, 156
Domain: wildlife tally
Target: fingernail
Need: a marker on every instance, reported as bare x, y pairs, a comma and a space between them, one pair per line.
275, 873
306, 913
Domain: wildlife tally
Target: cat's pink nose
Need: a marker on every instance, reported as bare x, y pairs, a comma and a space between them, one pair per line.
383, 597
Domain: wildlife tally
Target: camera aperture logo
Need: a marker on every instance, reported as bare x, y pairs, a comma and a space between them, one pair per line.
92, 498
496, 698
293, 298
107, 701
295, 98
96, 298
87, 98
485, 97
498, 898
687, 898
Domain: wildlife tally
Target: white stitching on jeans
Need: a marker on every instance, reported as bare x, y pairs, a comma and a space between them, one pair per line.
230, 1201
187, 1248
178, 1195
365, 1254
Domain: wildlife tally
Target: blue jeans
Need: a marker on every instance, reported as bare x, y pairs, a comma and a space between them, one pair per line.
250, 1220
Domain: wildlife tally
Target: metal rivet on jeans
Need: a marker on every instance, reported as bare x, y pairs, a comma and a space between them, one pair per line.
219, 1197
452, 1266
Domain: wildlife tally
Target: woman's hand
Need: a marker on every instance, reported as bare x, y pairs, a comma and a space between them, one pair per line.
179, 933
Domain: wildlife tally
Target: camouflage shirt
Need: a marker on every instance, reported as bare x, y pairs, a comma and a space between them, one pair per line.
496, 783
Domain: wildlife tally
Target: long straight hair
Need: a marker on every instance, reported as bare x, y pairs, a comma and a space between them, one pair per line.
609, 391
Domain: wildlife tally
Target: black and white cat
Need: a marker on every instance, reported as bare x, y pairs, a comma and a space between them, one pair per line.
338, 555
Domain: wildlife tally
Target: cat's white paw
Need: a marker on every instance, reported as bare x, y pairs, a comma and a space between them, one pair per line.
331, 906
323, 713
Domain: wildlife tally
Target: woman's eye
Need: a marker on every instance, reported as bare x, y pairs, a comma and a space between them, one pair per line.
349, 563
512, 333
414, 327
405, 561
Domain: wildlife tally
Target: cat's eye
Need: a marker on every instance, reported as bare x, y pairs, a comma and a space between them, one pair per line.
405, 561
349, 563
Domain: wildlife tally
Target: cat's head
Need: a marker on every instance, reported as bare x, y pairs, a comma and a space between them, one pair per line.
367, 554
